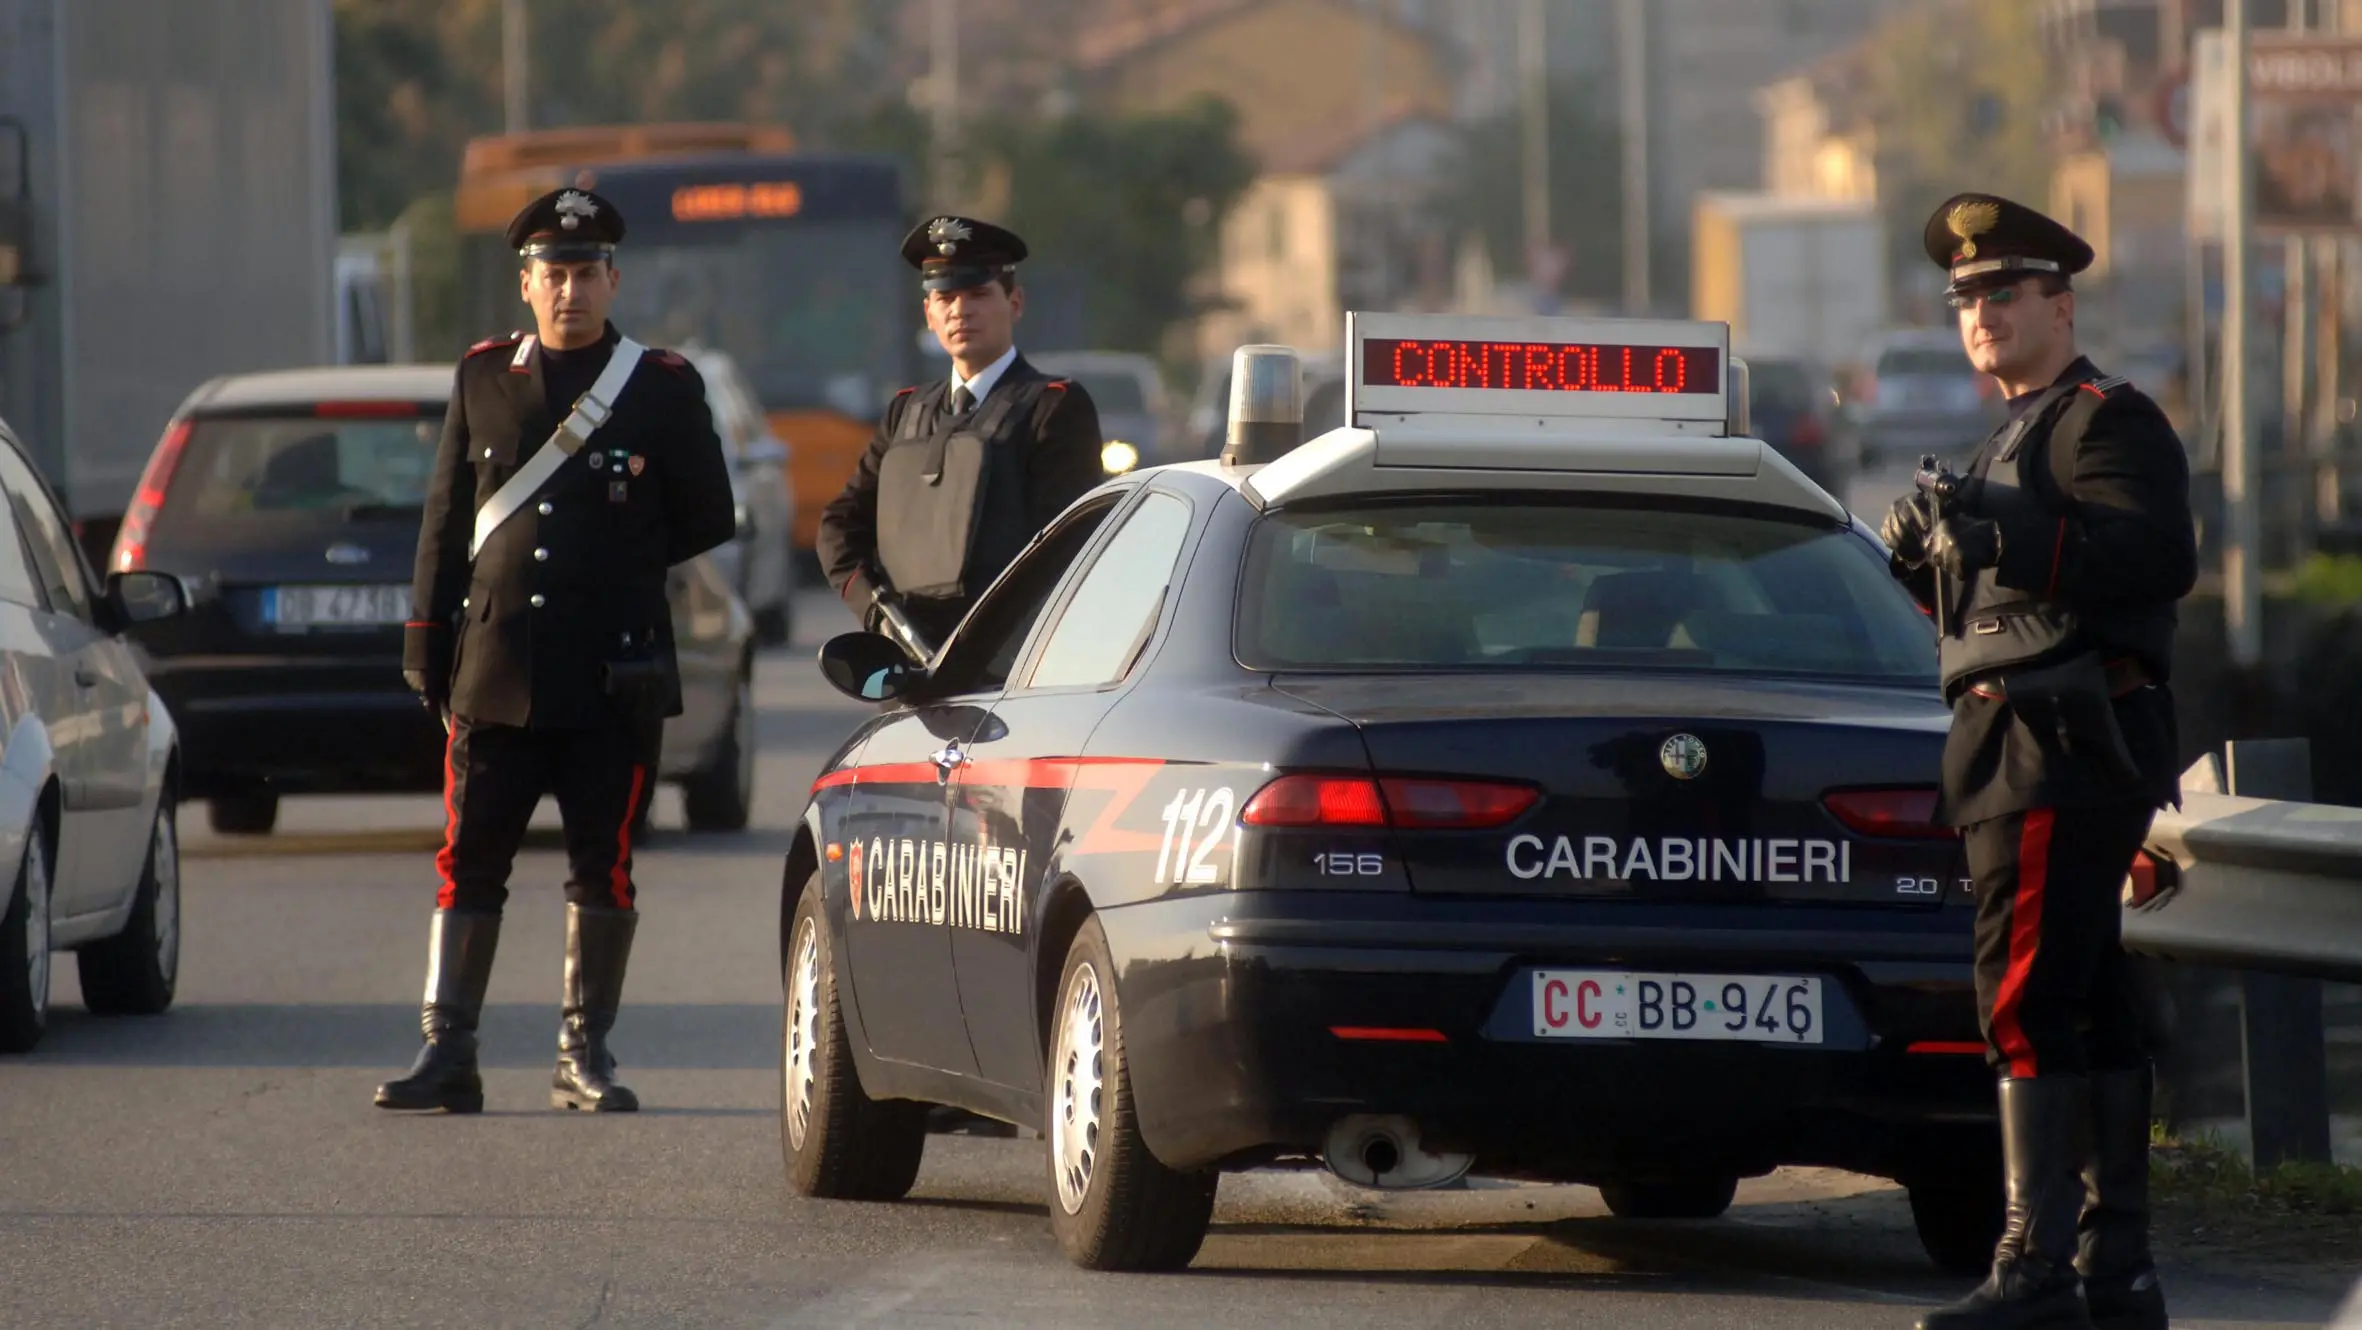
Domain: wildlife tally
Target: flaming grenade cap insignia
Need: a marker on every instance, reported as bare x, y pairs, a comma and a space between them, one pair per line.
1970, 220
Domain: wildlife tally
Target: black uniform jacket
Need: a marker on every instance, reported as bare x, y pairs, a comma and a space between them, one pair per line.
1061, 463
523, 634
2126, 540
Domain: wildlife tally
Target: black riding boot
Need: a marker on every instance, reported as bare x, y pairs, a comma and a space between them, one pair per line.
2044, 1123
598, 945
2119, 1277
458, 969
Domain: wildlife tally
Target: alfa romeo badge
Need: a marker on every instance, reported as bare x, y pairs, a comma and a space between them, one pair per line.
1684, 756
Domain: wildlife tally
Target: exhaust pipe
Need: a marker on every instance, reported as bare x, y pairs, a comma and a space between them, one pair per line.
1382, 1151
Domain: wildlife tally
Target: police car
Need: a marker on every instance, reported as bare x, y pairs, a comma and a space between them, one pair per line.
1530, 777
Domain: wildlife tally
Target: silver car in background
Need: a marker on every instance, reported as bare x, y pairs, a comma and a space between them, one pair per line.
1920, 395
760, 563
89, 758
1129, 391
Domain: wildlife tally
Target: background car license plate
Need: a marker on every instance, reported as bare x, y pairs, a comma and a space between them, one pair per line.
316, 606
1732, 1008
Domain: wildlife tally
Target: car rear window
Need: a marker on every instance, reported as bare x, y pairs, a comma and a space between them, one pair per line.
1517, 585
1926, 361
239, 465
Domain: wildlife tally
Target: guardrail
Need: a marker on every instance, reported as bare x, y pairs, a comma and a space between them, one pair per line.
2246, 875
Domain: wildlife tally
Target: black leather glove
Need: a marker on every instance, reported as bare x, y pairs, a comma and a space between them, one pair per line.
1962, 545
1906, 527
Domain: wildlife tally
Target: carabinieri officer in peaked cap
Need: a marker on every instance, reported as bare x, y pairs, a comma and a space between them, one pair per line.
964, 471
2053, 567
576, 468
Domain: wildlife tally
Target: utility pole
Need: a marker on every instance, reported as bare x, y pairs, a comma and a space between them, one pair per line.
943, 88
514, 38
2242, 583
1533, 57
1632, 29
2296, 338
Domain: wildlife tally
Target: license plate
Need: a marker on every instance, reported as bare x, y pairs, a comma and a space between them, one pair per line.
1725, 1008
297, 607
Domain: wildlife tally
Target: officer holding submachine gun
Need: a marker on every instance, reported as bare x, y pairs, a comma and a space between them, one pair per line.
964, 471
2052, 567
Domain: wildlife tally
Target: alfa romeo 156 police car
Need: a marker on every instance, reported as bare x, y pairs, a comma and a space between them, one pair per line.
1530, 777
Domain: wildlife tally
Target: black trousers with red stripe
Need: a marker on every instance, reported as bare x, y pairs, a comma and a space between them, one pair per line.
2055, 991
494, 777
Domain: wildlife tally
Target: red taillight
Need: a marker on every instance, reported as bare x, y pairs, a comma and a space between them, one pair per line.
335, 410
131, 540
1902, 813
1393, 801
2149, 878
1316, 801
1455, 803
1389, 1034
1951, 1047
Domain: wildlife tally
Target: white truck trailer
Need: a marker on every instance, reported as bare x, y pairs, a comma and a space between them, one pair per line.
167, 214
1801, 279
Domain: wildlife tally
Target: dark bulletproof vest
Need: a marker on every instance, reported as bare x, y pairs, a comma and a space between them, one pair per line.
944, 491
1998, 628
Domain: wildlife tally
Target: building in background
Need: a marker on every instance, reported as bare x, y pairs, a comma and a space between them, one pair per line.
177, 166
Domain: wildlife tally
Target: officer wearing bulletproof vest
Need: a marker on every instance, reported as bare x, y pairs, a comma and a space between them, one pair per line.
575, 469
964, 471
2052, 566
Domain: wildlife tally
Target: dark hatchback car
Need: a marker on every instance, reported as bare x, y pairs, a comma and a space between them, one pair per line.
289, 504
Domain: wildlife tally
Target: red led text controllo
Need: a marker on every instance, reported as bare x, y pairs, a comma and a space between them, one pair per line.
1565, 367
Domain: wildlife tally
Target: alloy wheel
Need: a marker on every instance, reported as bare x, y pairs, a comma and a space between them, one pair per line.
1080, 1082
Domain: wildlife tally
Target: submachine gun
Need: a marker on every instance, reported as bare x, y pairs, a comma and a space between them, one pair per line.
1942, 488
896, 625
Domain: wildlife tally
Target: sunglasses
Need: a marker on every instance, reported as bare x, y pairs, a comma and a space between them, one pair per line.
2000, 295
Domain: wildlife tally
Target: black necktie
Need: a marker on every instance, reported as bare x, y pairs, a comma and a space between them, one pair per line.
962, 401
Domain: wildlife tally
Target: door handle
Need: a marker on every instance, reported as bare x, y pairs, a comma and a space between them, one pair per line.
947, 759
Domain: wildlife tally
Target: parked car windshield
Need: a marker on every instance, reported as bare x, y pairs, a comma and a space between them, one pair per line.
237, 465
1481, 583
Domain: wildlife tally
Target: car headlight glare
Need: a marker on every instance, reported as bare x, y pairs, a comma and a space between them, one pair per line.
1118, 457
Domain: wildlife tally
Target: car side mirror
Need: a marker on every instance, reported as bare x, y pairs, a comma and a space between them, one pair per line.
868, 667
145, 597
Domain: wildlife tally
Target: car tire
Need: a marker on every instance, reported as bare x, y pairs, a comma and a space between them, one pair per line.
1959, 1216
1113, 1204
836, 1141
251, 814
1688, 1198
135, 972
722, 796
24, 951
775, 624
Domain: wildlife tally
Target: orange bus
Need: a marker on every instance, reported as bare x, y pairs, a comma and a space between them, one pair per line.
787, 260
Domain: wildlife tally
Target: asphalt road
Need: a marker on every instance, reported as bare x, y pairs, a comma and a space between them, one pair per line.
222, 1165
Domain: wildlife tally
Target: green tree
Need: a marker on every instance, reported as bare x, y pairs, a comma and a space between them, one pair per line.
1958, 91
1130, 204
1485, 192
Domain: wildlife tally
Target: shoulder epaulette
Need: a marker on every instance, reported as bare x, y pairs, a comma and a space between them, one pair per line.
495, 343
672, 360
907, 391
2110, 384
1056, 385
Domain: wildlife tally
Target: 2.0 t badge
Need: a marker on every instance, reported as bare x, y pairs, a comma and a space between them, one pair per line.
1684, 756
